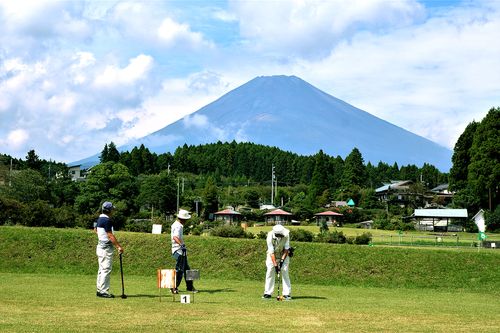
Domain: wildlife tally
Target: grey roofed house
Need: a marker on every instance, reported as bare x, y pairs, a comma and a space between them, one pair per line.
398, 188
440, 219
394, 185
442, 188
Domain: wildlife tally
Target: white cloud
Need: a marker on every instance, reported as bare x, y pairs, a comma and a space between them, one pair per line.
75, 75
311, 28
16, 139
171, 33
431, 79
137, 69
196, 121
39, 20
152, 26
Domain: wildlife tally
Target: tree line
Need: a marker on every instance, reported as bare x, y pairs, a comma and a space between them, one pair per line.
206, 178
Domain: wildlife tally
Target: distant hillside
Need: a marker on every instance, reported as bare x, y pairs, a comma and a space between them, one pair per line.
289, 113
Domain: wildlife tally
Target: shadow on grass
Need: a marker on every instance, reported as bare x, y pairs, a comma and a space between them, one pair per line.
215, 291
143, 296
168, 294
309, 297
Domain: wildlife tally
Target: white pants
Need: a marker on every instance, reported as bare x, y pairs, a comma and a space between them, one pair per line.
270, 276
105, 259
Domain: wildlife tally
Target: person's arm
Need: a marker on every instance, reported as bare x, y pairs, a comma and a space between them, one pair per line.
113, 240
273, 258
285, 251
177, 240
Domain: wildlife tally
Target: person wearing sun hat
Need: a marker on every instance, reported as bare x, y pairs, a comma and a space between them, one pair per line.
179, 251
278, 246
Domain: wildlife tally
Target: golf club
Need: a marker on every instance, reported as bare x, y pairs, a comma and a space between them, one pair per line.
121, 272
279, 297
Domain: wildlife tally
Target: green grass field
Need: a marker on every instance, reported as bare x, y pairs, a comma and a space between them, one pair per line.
67, 303
47, 284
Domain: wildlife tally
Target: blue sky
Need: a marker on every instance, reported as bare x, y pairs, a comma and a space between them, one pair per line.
75, 75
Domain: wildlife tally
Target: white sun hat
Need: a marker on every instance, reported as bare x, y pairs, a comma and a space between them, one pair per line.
184, 214
280, 230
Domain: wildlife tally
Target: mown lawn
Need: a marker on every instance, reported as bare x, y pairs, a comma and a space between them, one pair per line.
67, 303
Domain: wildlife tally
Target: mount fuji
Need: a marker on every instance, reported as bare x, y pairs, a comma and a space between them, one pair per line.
291, 114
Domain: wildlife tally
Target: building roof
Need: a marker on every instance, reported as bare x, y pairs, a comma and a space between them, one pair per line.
394, 184
278, 212
227, 212
328, 213
440, 188
440, 213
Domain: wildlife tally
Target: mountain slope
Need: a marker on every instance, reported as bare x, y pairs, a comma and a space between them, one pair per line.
291, 114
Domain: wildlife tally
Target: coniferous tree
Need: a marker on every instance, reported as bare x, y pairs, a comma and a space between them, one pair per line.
354, 170
461, 158
32, 160
113, 153
484, 170
211, 202
319, 181
104, 154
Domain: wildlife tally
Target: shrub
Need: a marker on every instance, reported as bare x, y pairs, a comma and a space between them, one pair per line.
65, 217
262, 235
138, 225
301, 235
363, 239
231, 231
39, 214
493, 220
11, 211
86, 221
336, 237
323, 227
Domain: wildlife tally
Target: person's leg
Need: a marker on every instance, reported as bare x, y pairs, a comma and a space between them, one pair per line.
287, 286
270, 273
189, 284
105, 259
179, 271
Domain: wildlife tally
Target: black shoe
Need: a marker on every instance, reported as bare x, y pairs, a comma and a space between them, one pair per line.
174, 290
104, 295
266, 296
194, 291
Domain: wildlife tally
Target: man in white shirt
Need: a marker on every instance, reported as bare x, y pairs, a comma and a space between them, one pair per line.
179, 251
277, 261
105, 248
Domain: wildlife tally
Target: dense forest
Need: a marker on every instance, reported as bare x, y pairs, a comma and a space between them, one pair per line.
209, 177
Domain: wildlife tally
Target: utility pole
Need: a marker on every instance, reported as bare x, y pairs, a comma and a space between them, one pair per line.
10, 173
177, 194
272, 185
196, 202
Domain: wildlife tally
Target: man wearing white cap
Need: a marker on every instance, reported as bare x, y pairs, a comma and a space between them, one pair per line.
179, 252
105, 248
278, 260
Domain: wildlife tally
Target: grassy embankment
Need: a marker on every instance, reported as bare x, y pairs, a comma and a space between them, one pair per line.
47, 250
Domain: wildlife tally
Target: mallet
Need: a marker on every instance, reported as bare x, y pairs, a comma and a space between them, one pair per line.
121, 272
